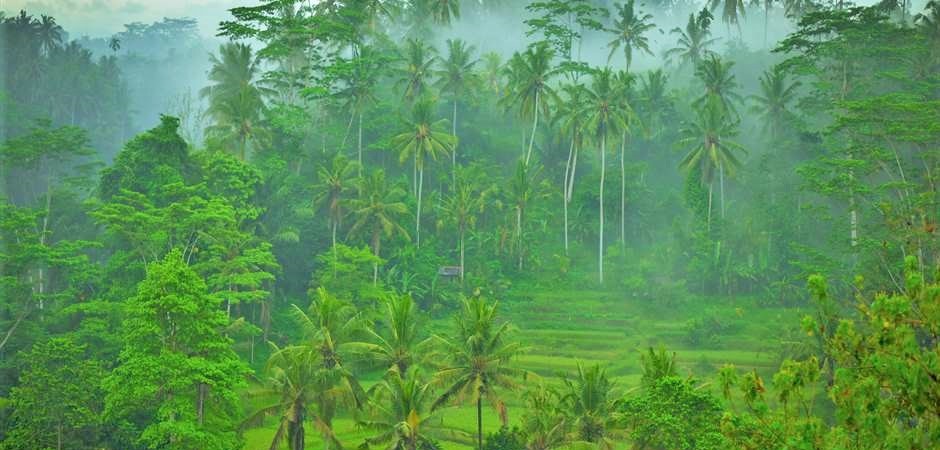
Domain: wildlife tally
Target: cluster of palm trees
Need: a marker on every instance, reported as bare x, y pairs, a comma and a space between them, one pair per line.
312, 382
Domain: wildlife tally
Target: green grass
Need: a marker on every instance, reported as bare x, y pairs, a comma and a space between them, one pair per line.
606, 329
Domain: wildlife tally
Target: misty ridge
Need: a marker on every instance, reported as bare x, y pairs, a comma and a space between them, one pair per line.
471, 224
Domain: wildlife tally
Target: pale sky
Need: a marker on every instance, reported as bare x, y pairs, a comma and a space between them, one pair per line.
106, 17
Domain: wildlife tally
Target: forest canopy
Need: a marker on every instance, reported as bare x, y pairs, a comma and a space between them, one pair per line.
501, 225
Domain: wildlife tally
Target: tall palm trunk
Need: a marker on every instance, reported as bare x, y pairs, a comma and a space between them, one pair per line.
462, 232
480, 423
574, 169
721, 182
418, 215
623, 192
453, 155
376, 243
519, 233
42, 237
708, 219
535, 124
600, 228
360, 144
564, 195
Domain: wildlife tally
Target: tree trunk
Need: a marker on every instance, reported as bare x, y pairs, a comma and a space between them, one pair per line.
418, 215
376, 242
574, 168
535, 124
623, 192
480, 421
360, 144
202, 391
42, 236
600, 228
721, 181
461, 256
519, 233
708, 219
453, 154
58, 436
564, 195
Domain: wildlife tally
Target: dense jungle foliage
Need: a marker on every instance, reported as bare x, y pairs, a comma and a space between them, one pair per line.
503, 225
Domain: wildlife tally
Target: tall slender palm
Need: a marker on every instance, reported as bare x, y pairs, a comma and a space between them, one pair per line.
49, 34
378, 211
358, 91
462, 208
334, 182
589, 399
774, 99
422, 140
624, 81
236, 101
768, 5
571, 125
693, 41
418, 61
443, 11
529, 74
493, 73
731, 11
454, 77
478, 360
400, 347
654, 102
719, 81
710, 148
524, 188
401, 416
604, 117
629, 29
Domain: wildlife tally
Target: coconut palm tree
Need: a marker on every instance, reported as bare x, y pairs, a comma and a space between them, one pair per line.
378, 211
423, 139
710, 148
493, 73
693, 42
571, 125
334, 182
49, 34
418, 61
719, 81
462, 208
624, 81
358, 91
776, 95
544, 424
731, 11
604, 116
654, 103
443, 11
588, 399
236, 101
401, 416
114, 43
524, 188
629, 29
529, 73
478, 360
401, 346
454, 77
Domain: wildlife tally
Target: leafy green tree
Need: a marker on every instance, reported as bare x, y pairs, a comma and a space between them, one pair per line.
774, 100
478, 360
378, 211
463, 207
57, 402
604, 116
710, 147
455, 77
589, 402
401, 417
672, 413
347, 273
525, 187
177, 374
630, 27
422, 140
236, 101
529, 74
693, 41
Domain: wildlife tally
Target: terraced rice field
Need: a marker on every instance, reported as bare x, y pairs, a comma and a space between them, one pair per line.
607, 330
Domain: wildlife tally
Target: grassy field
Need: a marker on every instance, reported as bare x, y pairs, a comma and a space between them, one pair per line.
611, 331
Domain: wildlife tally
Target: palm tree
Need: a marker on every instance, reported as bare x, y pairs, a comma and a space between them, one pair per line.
693, 41
455, 76
418, 61
49, 34
629, 29
523, 190
422, 140
710, 149
357, 94
493, 73
401, 418
767, 4
774, 99
529, 73
479, 359
544, 424
730, 11
654, 102
334, 182
378, 211
462, 207
625, 82
719, 82
604, 116
443, 11
571, 125
401, 347
590, 401
236, 102
114, 44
